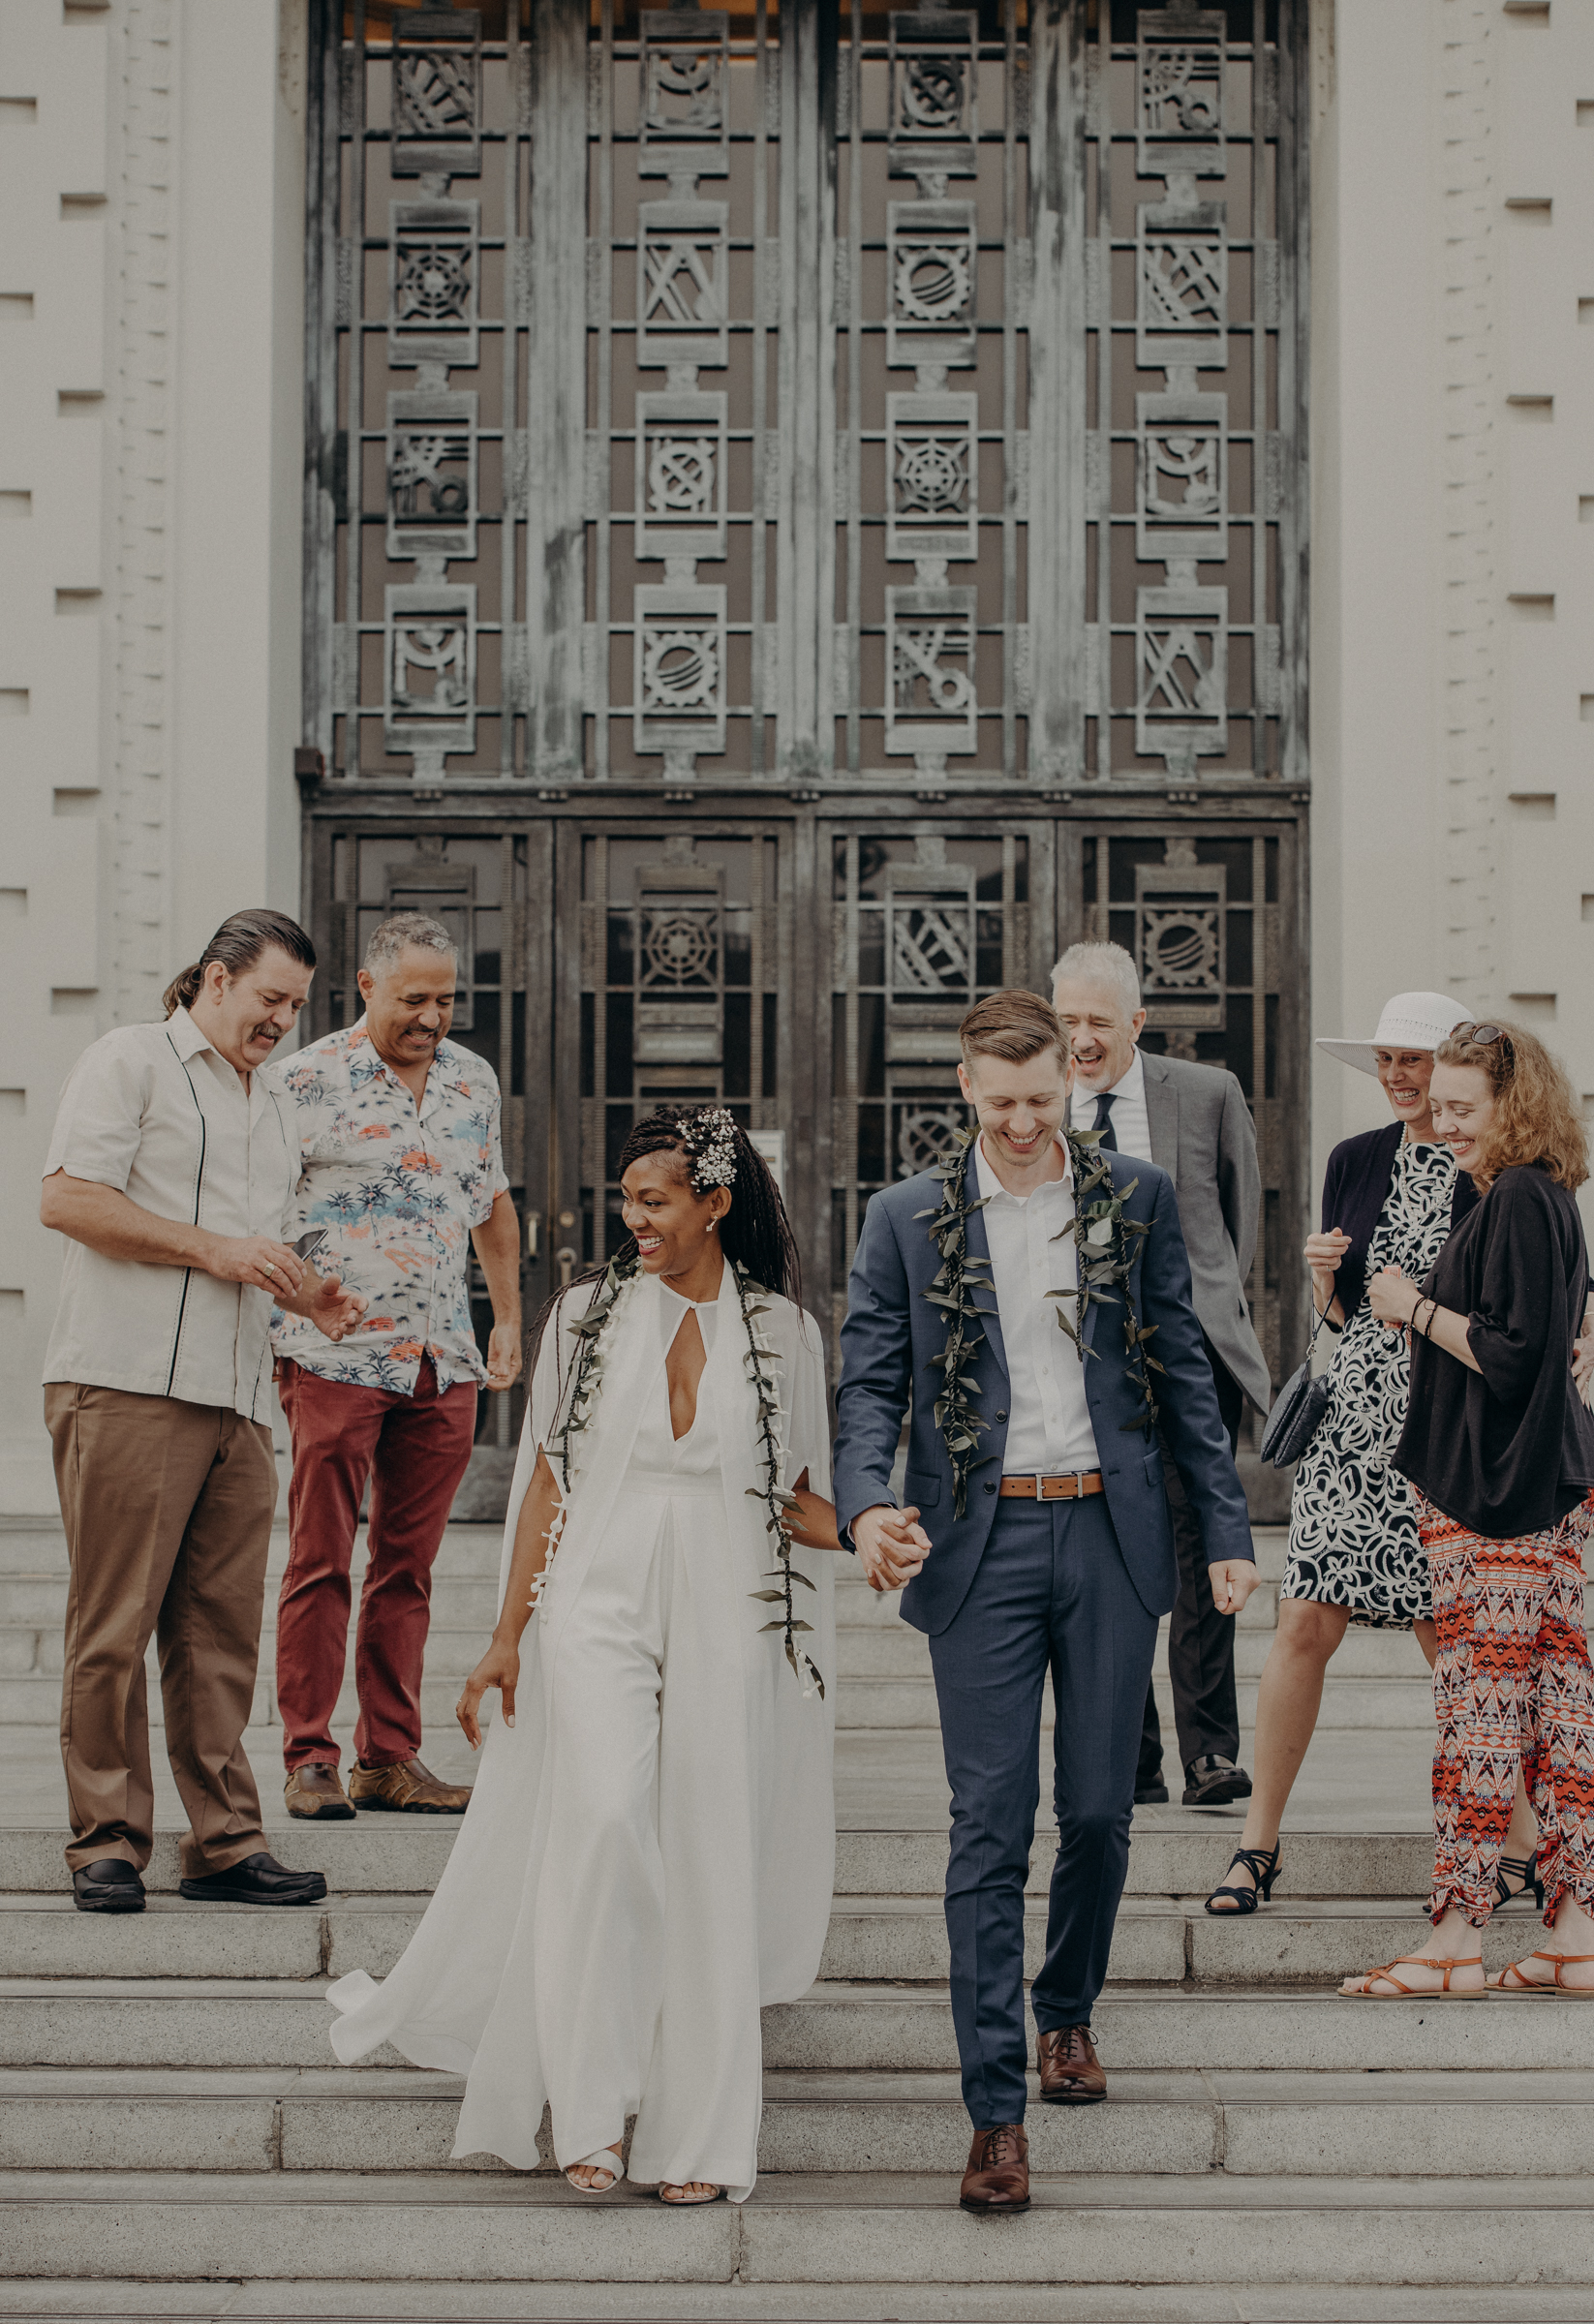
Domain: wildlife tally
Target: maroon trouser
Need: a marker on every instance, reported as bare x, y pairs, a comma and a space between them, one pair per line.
415, 1450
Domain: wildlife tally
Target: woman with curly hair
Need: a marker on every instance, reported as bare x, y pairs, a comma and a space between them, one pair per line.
648, 1857
1500, 1448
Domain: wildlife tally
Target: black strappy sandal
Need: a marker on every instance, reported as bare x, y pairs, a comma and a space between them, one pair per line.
1526, 1870
1262, 1863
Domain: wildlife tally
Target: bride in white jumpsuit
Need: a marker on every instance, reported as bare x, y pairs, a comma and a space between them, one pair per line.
648, 1853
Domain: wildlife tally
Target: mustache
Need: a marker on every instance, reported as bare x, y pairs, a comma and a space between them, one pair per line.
267, 1032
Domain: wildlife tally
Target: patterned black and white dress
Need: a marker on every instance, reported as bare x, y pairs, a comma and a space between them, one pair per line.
1353, 1525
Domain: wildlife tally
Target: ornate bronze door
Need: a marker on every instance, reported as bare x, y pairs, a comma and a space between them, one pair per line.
804, 518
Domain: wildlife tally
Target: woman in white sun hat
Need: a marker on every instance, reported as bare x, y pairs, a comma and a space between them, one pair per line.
1391, 1197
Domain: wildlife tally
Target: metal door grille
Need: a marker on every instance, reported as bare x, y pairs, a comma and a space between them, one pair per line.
931, 651
416, 583
681, 948
1207, 917
1191, 449
809, 499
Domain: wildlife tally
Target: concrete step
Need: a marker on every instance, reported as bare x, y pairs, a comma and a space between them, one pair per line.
384, 1854
870, 1938
1419, 2124
306, 2301
463, 1612
218, 2022
1404, 1705
34, 1699
1205, 2227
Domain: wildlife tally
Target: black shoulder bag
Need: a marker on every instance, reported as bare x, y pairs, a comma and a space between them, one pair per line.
1302, 1403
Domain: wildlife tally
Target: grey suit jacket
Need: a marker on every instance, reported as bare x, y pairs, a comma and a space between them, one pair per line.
1203, 1136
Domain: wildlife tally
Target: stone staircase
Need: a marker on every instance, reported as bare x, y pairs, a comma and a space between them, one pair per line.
177, 2139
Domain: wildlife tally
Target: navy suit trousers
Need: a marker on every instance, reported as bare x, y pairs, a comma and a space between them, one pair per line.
1052, 1591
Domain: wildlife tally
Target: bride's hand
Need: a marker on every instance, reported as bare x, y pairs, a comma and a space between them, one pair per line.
499, 1666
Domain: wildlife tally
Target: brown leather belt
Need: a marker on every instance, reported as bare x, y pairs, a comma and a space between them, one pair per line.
1072, 1487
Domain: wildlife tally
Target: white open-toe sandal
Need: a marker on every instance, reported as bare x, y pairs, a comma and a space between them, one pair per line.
604, 2160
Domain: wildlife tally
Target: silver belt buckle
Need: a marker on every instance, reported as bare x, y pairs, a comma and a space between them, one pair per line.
1079, 1484
1040, 1485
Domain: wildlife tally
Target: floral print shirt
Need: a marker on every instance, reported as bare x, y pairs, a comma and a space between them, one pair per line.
398, 1191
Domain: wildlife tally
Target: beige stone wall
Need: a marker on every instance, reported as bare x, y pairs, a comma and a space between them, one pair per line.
151, 177
1452, 670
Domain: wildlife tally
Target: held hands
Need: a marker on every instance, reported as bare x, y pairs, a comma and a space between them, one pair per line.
499, 1666
503, 1354
892, 1544
1392, 1298
1233, 1579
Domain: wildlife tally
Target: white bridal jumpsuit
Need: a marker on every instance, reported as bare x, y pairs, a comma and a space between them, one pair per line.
649, 1853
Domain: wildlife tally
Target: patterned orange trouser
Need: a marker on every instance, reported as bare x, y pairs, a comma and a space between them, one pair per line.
1511, 1687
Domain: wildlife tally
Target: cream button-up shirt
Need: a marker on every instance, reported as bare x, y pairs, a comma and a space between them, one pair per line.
1049, 1429
154, 1111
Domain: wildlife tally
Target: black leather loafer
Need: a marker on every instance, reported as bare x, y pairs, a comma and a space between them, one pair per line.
259, 1879
111, 1885
1153, 1795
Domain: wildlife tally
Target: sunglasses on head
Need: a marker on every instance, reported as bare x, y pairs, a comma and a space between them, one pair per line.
1482, 1035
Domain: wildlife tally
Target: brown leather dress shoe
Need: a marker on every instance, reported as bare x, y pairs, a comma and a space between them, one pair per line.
996, 2181
409, 1787
315, 1790
1070, 2073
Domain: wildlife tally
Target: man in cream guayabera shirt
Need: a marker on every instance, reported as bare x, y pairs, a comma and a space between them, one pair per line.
170, 1172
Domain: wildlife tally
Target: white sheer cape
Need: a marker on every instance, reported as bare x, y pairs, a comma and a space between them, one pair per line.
464, 1996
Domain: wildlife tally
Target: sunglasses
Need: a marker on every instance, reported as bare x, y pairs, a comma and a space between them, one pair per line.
1482, 1035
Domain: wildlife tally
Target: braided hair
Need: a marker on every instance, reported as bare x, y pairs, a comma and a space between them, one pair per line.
754, 1232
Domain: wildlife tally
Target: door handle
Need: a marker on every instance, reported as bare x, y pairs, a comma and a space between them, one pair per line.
564, 1261
533, 1234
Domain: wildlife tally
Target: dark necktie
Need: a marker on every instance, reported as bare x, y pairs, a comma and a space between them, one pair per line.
1108, 1140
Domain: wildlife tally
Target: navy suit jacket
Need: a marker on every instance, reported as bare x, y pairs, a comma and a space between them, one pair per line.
892, 1335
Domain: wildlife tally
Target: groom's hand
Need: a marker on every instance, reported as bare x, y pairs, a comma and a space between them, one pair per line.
892, 1544
1233, 1579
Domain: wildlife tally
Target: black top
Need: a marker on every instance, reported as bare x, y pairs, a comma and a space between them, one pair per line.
1509, 1450
1355, 1187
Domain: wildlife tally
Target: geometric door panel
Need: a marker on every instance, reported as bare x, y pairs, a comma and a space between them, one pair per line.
804, 517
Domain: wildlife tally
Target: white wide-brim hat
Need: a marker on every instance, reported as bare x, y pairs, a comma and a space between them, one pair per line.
1410, 1021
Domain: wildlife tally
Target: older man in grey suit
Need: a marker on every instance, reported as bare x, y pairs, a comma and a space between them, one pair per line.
1192, 1121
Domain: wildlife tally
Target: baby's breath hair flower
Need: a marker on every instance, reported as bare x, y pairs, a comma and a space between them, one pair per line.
709, 1137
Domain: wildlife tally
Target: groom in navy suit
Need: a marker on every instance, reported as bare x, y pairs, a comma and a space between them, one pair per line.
1036, 1531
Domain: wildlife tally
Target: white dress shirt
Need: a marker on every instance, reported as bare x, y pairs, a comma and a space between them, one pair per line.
157, 1112
1049, 1429
1131, 1127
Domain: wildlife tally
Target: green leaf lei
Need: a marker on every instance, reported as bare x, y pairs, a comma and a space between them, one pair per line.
771, 1493
586, 1384
1105, 1242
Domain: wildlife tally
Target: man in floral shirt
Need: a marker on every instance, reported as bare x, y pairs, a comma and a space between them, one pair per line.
402, 1170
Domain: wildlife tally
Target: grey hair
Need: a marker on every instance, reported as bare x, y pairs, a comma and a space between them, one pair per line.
404, 933
1101, 964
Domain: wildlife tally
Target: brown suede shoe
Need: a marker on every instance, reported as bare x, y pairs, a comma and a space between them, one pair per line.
408, 1785
1070, 2073
996, 2181
315, 1790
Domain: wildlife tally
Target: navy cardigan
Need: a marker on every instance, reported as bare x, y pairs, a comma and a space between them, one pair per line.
1355, 1187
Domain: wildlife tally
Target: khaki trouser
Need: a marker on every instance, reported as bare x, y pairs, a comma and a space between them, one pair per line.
168, 1511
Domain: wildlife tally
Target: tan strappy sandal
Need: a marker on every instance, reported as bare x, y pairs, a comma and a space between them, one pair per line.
1361, 1987
681, 2200
1536, 1985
